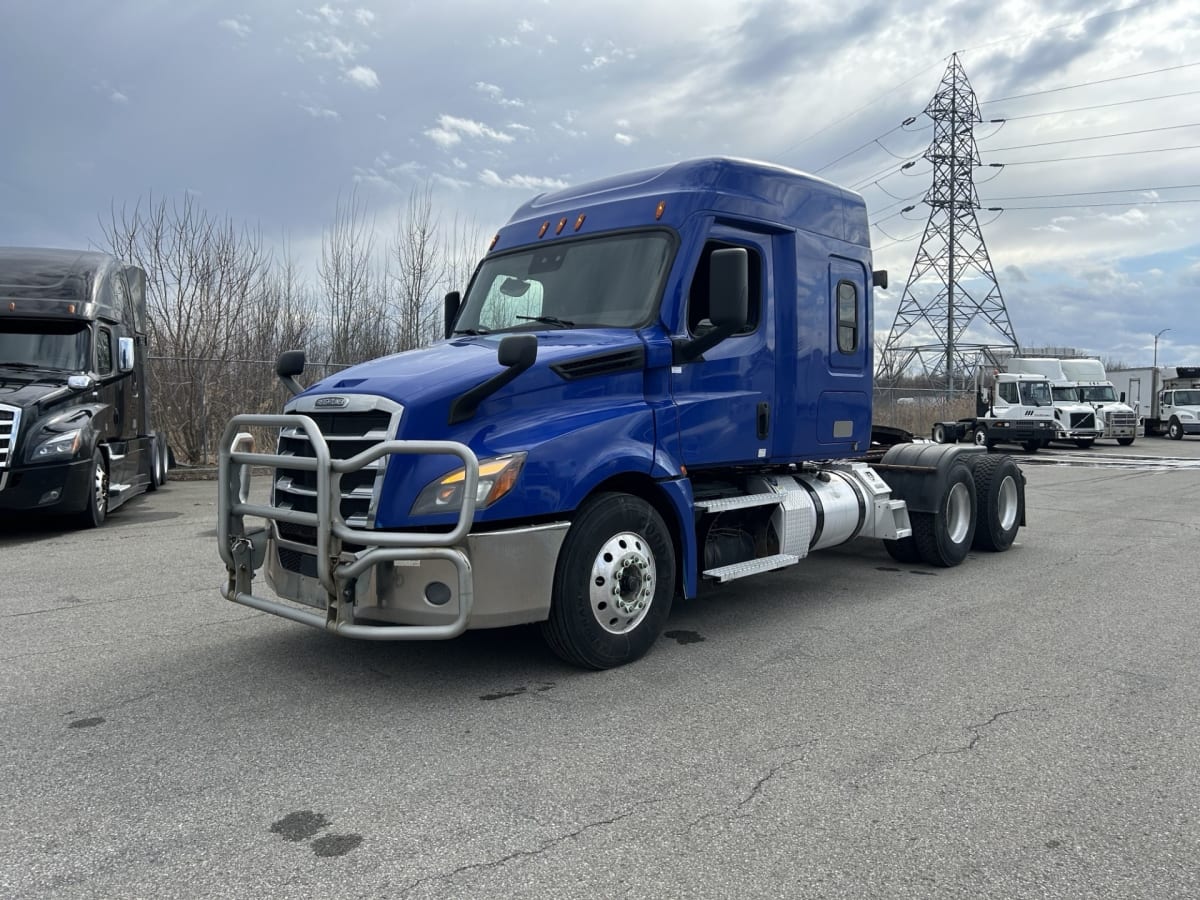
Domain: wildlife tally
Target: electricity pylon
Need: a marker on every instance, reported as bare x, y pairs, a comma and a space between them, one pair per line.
952, 314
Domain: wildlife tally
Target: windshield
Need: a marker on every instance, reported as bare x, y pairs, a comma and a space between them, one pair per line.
612, 282
1103, 393
1035, 393
44, 344
1064, 395
1187, 398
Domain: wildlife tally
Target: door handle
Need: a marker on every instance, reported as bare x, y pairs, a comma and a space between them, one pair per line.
764, 420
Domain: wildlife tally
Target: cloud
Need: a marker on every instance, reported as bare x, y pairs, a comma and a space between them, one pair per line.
118, 97
450, 130
238, 25
1014, 273
496, 93
524, 26
331, 47
318, 112
524, 182
330, 14
625, 139
364, 17
364, 76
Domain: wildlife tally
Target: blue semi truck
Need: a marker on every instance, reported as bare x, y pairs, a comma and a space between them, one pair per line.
652, 381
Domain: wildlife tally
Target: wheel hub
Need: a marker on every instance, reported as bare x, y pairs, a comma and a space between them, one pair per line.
623, 582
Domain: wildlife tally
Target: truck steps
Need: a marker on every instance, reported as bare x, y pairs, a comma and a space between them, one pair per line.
724, 504
752, 566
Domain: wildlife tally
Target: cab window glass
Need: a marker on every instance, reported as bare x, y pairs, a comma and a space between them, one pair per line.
847, 317
104, 352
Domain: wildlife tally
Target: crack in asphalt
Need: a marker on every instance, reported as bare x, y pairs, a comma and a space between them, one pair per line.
755, 791
523, 854
976, 730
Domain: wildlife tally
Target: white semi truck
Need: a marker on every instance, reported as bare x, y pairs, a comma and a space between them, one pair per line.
1080, 386
1165, 400
1017, 409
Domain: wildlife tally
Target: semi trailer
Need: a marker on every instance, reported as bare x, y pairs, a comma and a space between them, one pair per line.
652, 382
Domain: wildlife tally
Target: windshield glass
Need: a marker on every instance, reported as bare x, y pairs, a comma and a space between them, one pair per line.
1187, 398
1064, 395
45, 343
612, 282
1035, 393
1098, 394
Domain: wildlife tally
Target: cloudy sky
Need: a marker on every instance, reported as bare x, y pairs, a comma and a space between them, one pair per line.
269, 110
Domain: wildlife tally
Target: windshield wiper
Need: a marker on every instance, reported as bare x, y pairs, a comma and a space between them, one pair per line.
472, 331
549, 320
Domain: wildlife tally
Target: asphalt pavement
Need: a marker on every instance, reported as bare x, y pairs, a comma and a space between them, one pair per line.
1024, 725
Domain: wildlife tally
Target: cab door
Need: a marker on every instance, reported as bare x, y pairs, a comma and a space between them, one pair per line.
725, 399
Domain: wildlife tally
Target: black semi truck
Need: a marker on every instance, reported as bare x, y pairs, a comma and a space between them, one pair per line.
76, 437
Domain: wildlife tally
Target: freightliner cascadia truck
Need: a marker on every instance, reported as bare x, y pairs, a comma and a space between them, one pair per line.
75, 426
652, 381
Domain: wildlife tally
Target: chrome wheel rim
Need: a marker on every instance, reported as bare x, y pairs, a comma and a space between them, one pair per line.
958, 513
980, 437
622, 583
1007, 503
100, 487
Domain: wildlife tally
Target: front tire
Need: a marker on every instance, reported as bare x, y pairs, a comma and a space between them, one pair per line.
939, 434
613, 584
1000, 503
1084, 443
981, 437
1175, 430
96, 510
944, 538
1031, 446
1125, 441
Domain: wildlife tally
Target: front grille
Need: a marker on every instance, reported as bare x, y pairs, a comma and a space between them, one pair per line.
1122, 419
365, 422
10, 418
1083, 420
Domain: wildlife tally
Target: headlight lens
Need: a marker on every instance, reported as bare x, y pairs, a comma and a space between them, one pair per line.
497, 476
59, 446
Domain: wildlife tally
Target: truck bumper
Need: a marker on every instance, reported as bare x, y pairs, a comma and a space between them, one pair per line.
515, 568
52, 488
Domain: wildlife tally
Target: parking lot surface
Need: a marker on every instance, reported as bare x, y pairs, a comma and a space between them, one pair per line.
1023, 725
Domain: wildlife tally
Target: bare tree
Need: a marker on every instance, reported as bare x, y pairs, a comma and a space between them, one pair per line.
420, 270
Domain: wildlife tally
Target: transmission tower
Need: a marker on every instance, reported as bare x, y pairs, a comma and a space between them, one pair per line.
952, 315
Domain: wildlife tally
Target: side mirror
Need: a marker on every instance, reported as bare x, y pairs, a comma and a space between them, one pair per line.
1122, 396
290, 364
728, 302
125, 354
452, 303
79, 382
879, 278
519, 350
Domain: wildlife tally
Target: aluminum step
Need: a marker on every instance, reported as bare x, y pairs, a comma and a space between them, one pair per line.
742, 502
752, 567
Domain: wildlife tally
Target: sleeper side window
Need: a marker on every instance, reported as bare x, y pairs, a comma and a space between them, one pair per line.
847, 317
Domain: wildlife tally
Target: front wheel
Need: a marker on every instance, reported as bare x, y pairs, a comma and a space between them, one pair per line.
1125, 442
1084, 443
981, 436
943, 538
939, 434
1031, 446
96, 510
613, 584
1175, 430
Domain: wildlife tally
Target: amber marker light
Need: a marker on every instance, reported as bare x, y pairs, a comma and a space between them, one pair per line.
660, 209
12, 307
579, 221
71, 308
545, 227
562, 223
493, 243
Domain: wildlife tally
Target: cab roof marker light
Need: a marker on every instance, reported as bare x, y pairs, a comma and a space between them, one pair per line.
545, 227
579, 221
562, 223
660, 209
492, 245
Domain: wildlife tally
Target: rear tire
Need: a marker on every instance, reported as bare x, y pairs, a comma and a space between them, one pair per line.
980, 437
939, 434
613, 584
903, 550
155, 465
1000, 503
944, 538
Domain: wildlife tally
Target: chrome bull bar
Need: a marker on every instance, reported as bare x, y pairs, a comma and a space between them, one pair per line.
244, 552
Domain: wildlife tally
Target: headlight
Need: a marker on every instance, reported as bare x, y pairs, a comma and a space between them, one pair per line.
1184, 414
496, 478
59, 446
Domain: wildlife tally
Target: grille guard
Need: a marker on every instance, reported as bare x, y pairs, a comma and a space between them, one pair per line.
243, 551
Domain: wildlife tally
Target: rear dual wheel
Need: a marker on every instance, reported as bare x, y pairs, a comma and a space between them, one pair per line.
1000, 499
942, 538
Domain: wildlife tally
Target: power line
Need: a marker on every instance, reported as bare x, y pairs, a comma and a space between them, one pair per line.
1070, 87
1059, 112
1099, 137
1091, 205
1031, 162
1165, 187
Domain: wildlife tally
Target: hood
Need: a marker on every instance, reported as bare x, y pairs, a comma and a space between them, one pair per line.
26, 387
437, 374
